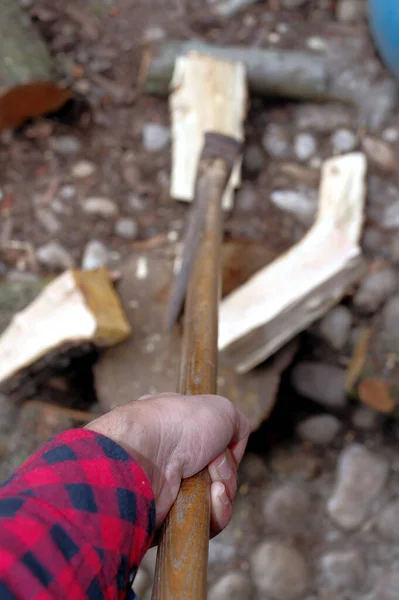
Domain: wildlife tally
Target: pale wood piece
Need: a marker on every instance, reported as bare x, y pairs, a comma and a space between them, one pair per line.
76, 309
208, 95
299, 287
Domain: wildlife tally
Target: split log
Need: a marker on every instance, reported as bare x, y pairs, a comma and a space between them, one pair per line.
27, 70
149, 361
302, 285
288, 74
74, 313
208, 94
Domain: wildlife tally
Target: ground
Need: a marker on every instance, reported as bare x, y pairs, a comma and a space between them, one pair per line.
105, 178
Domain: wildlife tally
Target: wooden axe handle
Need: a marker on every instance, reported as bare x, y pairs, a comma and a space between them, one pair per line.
181, 570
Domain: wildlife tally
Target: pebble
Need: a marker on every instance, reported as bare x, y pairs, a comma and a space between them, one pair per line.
279, 571
374, 290
276, 141
135, 202
141, 582
320, 429
156, 137
322, 118
344, 571
301, 206
126, 228
95, 256
66, 144
154, 33
48, 220
232, 586
220, 551
365, 419
309, 380
390, 316
67, 192
390, 217
300, 464
350, 11
287, 509
343, 140
247, 198
335, 327
291, 4
54, 256
254, 158
100, 207
305, 146
361, 475
83, 169
252, 469
389, 589
387, 523
380, 153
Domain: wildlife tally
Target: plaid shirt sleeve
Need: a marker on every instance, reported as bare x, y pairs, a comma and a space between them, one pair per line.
75, 521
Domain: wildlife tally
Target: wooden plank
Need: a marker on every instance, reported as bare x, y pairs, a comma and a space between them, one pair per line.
208, 94
74, 312
299, 287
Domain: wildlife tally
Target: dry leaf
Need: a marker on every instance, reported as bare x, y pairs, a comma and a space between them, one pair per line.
358, 359
30, 101
376, 394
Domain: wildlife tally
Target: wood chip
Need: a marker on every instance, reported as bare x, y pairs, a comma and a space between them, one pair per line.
376, 394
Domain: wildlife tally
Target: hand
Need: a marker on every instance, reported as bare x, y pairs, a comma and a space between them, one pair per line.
174, 437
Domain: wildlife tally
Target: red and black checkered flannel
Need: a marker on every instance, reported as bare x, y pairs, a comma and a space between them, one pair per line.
75, 521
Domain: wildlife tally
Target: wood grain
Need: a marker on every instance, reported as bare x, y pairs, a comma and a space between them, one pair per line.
181, 571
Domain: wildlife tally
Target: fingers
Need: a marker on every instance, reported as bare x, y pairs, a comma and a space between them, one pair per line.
221, 508
223, 474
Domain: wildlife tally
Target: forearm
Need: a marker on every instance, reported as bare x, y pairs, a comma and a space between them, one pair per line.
75, 521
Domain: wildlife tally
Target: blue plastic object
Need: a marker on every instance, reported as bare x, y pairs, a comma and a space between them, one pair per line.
384, 25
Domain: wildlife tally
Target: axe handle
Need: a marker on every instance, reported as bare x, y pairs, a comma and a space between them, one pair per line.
181, 570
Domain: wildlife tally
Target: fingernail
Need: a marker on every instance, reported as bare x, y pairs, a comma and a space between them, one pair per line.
223, 497
224, 469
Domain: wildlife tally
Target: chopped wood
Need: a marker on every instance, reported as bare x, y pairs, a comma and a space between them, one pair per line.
76, 311
208, 95
283, 73
28, 87
148, 362
303, 284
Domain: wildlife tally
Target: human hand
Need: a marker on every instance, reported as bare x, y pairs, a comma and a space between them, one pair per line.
173, 437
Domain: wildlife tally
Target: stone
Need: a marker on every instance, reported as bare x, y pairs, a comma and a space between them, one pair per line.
343, 140
297, 463
276, 141
221, 550
309, 379
390, 135
390, 217
361, 476
95, 256
100, 207
126, 228
279, 571
141, 583
302, 206
387, 523
344, 571
54, 256
390, 316
320, 429
83, 169
322, 118
254, 158
365, 419
335, 327
247, 198
135, 203
373, 241
48, 220
389, 589
287, 509
305, 146
66, 144
380, 153
156, 137
374, 290
67, 192
154, 33
379, 103
350, 11
232, 586
252, 470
